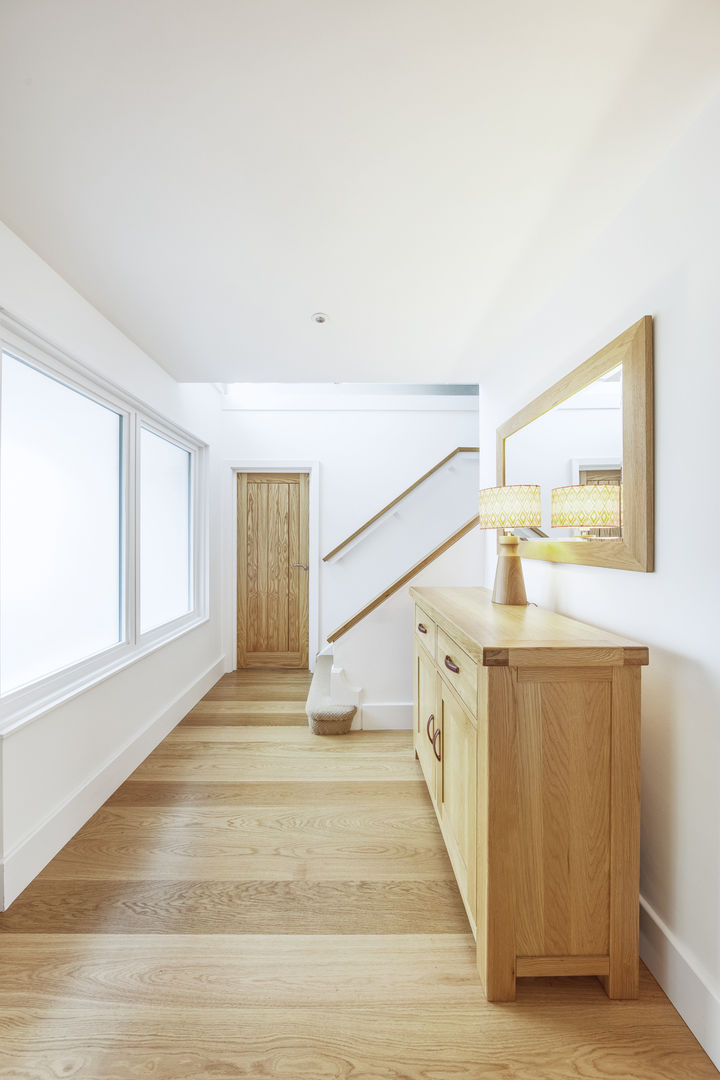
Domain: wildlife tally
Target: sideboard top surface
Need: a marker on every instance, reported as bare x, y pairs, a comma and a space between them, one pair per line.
498, 635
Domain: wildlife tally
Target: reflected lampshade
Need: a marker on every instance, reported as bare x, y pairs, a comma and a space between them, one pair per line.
510, 507
595, 506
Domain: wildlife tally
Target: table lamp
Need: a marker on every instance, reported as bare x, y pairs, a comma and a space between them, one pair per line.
511, 507
587, 506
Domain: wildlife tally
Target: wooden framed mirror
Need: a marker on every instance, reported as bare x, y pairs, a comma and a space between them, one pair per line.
593, 426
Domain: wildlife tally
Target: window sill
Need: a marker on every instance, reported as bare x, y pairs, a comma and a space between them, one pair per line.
22, 706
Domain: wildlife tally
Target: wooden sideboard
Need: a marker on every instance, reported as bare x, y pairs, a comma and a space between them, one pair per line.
527, 729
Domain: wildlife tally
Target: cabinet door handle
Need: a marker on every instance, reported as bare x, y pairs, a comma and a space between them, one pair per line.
422, 629
431, 720
450, 666
434, 744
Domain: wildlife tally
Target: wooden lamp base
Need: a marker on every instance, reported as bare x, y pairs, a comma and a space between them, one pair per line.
509, 582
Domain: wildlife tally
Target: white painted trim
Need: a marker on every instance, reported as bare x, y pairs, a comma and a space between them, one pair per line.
2, 821
387, 716
312, 468
25, 703
344, 402
27, 858
19, 336
683, 978
68, 683
199, 524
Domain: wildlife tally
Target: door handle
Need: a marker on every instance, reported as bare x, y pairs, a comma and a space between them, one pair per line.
304, 565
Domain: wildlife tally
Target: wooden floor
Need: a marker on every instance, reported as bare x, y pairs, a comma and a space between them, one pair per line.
258, 902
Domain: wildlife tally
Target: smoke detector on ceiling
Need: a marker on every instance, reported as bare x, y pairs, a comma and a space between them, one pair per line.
320, 317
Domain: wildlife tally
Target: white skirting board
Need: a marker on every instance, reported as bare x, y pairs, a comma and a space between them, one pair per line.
386, 716
25, 861
688, 988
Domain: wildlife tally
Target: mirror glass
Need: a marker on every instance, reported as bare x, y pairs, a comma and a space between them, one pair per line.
579, 441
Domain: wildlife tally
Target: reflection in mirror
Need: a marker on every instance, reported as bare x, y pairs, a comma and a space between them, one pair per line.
579, 441
562, 438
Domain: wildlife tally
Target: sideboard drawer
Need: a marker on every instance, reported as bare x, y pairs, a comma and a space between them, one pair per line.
425, 630
457, 668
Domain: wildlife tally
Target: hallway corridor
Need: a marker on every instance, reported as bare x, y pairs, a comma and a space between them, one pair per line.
256, 902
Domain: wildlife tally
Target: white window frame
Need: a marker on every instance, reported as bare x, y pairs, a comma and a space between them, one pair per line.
18, 707
172, 435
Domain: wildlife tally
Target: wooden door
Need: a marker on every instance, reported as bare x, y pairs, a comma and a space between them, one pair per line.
272, 600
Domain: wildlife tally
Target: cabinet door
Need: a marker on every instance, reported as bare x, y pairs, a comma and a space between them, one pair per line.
457, 795
426, 721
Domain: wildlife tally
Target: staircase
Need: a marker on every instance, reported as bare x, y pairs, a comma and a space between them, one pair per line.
411, 517
327, 715
404, 578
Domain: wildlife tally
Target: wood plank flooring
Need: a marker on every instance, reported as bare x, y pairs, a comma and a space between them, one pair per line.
256, 902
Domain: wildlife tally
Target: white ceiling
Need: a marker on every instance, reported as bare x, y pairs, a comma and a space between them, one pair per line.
210, 174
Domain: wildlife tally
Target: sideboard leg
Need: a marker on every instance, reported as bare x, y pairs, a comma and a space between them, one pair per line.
622, 982
501, 802
498, 979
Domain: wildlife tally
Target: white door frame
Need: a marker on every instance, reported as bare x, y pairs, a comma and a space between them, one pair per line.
230, 546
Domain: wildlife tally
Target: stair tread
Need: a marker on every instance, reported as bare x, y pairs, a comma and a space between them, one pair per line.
320, 703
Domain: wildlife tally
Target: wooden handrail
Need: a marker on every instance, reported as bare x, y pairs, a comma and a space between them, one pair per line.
374, 518
457, 535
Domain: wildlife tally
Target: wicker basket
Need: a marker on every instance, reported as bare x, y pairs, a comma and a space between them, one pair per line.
336, 721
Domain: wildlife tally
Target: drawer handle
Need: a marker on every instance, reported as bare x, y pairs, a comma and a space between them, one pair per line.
434, 744
422, 629
450, 666
431, 720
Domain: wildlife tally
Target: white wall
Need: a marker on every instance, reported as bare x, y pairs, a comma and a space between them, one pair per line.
58, 768
660, 257
367, 455
377, 653
417, 525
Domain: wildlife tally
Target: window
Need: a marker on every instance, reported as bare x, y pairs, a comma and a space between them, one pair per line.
103, 553
60, 568
165, 567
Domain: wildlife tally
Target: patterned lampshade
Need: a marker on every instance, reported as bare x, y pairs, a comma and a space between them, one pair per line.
510, 507
594, 506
